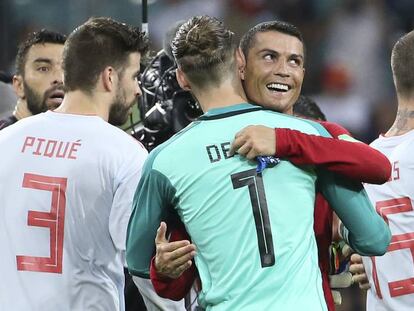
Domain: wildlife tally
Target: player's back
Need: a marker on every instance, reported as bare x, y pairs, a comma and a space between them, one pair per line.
392, 285
62, 225
253, 232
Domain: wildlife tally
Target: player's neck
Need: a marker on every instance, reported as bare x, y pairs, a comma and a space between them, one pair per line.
21, 110
78, 102
227, 94
404, 121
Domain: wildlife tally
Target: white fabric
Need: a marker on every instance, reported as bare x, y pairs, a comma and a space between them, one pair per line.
398, 263
153, 302
101, 166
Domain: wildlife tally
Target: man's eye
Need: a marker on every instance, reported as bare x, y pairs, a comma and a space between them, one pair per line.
269, 57
295, 62
43, 69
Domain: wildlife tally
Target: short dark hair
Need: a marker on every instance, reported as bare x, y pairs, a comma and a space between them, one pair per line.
402, 64
306, 107
96, 44
39, 37
205, 50
248, 38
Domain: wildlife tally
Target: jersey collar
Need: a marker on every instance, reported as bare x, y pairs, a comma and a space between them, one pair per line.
218, 113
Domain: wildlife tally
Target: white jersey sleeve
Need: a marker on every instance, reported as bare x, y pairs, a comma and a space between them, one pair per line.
392, 275
126, 182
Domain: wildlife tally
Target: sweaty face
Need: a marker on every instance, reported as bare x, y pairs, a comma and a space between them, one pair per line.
274, 71
127, 93
43, 88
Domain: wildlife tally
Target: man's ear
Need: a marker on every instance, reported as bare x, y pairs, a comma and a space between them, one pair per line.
182, 80
241, 62
18, 86
109, 78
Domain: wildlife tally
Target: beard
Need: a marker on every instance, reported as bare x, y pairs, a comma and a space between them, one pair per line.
119, 109
36, 103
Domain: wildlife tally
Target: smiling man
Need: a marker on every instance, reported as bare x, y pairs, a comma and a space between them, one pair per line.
274, 69
38, 79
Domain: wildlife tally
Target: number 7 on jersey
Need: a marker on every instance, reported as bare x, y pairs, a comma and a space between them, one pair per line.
257, 194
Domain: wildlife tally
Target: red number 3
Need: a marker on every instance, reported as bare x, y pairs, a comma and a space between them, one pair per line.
398, 242
54, 220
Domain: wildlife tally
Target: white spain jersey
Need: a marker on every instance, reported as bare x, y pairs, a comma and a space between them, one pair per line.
392, 276
66, 189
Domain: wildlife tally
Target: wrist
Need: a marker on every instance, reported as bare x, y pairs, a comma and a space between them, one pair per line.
155, 273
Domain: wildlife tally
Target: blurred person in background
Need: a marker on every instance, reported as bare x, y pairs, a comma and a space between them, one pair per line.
340, 104
38, 79
165, 13
389, 279
8, 97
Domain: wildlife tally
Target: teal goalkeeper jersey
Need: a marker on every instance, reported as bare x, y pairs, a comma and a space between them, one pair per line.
253, 232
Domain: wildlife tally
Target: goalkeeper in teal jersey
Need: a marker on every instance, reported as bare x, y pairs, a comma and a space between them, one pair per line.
254, 233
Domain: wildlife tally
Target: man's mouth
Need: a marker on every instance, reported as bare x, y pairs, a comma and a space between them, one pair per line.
55, 98
278, 87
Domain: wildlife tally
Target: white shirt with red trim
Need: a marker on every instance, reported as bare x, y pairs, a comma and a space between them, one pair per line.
392, 276
66, 189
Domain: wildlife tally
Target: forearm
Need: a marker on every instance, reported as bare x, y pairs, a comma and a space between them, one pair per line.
152, 203
366, 233
140, 247
354, 160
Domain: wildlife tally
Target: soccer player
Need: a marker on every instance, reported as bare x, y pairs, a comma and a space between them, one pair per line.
391, 276
38, 79
269, 52
67, 179
249, 255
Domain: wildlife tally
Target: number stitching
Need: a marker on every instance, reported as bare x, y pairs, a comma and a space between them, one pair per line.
254, 182
398, 242
54, 220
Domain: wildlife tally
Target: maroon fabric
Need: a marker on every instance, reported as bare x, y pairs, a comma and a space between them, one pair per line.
323, 233
356, 161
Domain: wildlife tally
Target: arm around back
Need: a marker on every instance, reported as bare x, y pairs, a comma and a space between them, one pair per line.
366, 232
341, 154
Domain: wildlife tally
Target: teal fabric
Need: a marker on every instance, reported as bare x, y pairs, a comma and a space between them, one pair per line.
191, 174
243, 263
365, 231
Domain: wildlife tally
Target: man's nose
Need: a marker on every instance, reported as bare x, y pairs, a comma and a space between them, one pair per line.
57, 76
281, 68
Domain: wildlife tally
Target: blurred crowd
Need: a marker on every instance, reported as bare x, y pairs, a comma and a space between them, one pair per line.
348, 42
